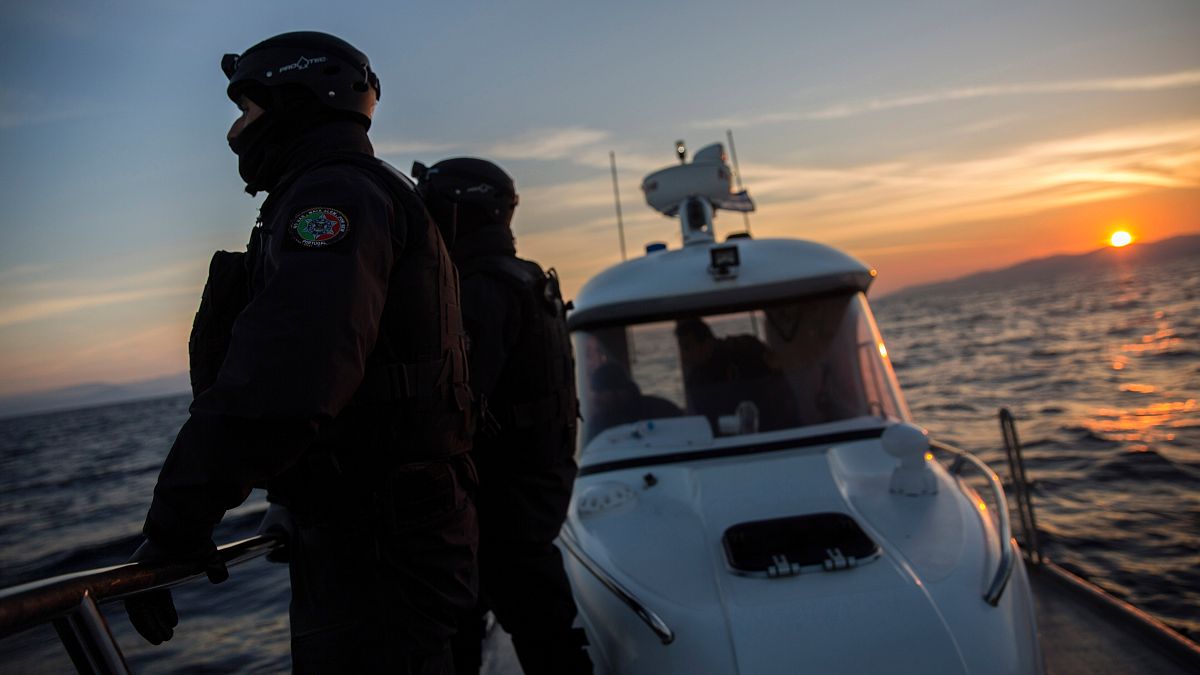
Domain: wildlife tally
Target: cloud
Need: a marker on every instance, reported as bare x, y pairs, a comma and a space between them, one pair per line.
47, 280
548, 144
411, 148
1177, 80
51, 292
926, 192
41, 309
575, 195
910, 249
982, 126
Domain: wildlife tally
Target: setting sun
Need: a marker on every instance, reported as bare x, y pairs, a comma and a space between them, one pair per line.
1120, 238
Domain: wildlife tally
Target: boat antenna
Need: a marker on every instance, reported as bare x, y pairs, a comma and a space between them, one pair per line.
612, 160
737, 172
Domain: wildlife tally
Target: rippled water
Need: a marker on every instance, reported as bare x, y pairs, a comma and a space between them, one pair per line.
1102, 372
74, 488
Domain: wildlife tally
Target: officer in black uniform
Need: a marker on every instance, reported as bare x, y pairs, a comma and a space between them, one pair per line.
522, 372
329, 365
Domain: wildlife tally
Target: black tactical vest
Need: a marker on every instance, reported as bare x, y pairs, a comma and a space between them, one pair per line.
414, 399
534, 398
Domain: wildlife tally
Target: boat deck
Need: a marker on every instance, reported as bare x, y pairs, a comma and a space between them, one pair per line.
1083, 630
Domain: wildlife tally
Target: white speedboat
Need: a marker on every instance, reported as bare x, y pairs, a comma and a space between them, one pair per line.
753, 495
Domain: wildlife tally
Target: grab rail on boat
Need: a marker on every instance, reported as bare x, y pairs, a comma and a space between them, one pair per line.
1021, 486
654, 621
70, 601
1008, 559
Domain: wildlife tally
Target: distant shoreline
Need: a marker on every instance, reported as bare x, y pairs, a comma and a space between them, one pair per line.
1041, 269
92, 395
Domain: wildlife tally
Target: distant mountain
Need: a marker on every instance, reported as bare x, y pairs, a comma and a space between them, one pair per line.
1042, 269
91, 395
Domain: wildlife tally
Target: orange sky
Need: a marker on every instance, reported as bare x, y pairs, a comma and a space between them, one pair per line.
973, 246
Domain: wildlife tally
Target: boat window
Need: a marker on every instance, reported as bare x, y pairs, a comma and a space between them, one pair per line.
811, 361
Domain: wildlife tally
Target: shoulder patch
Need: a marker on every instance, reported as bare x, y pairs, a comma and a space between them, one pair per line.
319, 227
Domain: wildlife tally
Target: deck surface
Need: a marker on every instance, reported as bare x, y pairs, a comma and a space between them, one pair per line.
1079, 634
1083, 635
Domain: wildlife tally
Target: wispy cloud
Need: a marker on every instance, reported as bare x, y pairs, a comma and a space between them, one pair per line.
920, 194
42, 282
45, 291
548, 144
982, 126
582, 194
411, 148
928, 247
41, 309
1176, 80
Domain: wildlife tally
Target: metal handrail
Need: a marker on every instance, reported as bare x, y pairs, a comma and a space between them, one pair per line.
46, 600
654, 621
1008, 559
1021, 486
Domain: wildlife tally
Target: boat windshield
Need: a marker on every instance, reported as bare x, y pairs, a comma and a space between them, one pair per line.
810, 361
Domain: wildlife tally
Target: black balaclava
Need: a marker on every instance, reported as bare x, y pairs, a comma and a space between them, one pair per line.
264, 147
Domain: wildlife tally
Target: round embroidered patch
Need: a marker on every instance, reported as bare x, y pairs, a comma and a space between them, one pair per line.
319, 227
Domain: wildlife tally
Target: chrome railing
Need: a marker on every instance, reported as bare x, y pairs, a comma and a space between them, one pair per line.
654, 621
71, 601
1008, 558
1021, 486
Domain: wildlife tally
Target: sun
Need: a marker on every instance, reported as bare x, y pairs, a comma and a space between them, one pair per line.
1120, 238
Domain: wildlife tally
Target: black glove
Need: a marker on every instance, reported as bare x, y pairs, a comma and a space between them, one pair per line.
153, 613
278, 522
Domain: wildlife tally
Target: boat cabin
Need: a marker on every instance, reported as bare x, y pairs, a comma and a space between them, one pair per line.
714, 339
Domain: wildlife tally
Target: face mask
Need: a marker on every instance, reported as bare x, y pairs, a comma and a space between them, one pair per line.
252, 148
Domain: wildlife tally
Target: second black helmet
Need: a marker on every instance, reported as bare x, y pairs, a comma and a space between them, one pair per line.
477, 189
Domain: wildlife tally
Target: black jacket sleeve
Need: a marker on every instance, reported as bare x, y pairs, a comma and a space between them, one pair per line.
297, 355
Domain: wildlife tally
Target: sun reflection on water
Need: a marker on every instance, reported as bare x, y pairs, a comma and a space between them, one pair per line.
1144, 425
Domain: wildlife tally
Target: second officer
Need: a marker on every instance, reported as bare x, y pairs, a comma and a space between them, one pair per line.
522, 372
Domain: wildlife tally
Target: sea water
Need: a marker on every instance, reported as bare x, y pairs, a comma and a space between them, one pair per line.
1102, 371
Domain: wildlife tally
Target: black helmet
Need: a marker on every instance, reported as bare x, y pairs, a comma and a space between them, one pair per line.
471, 185
338, 75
